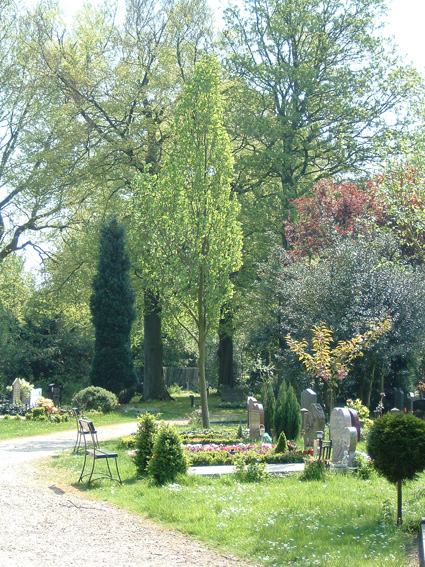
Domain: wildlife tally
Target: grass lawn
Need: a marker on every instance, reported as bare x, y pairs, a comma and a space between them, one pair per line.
278, 522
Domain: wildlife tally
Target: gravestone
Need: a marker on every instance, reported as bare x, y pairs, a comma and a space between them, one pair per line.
398, 399
16, 391
343, 436
233, 395
355, 421
35, 394
56, 394
255, 418
308, 397
314, 421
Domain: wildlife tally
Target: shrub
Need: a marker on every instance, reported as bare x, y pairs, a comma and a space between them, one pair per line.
28, 415
254, 471
282, 444
279, 409
168, 459
94, 397
39, 413
363, 466
291, 415
144, 442
314, 470
396, 444
125, 396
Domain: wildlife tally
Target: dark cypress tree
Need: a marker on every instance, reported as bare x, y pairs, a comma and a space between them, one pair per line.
112, 309
291, 415
278, 410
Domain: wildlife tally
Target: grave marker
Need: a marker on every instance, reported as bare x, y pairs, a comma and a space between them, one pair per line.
255, 418
343, 436
16, 391
314, 421
308, 397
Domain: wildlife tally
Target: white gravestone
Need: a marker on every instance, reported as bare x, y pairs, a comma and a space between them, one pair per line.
343, 436
34, 396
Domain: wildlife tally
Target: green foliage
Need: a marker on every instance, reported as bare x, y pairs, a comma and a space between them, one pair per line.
282, 444
93, 398
254, 471
314, 470
212, 458
269, 403
144, 442
291, 415
168, 458
39, 413
364, 466
112, 309
396, 445
279, 417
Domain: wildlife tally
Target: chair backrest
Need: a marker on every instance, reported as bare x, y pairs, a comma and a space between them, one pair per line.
88, 427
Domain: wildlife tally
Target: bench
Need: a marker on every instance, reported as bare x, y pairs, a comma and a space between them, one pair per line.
80, 432
92, 450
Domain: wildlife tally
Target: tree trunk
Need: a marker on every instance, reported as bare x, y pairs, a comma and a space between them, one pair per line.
225, 350
202, 335
369, 386
399, 503
154, 382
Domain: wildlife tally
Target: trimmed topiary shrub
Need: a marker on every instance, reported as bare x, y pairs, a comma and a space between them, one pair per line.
93, 398
282, 444
144, 442
39, 414
168, 459
396, 445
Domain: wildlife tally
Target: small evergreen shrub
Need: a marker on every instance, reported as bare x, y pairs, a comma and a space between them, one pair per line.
28, 416
144, 442
314, 470
39, 414
282, 444
125, 396
254, 471
168, 459
291, 418
93, 398
268, 405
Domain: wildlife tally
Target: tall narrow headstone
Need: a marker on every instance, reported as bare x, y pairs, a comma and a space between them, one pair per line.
16, 391
314, 421
343, 436
308, 397
255, 418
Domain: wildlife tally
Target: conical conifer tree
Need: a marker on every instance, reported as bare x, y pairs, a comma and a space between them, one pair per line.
112, 309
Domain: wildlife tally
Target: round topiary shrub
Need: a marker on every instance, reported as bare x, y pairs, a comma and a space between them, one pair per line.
168, 459
93, 398
396, 445
144, 442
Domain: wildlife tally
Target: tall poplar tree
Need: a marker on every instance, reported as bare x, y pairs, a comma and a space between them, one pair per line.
112, 309
190, 236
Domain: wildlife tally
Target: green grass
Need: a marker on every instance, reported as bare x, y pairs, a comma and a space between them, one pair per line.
280, 522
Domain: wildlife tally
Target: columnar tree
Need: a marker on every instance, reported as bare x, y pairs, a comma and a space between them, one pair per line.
112, 309
190, 234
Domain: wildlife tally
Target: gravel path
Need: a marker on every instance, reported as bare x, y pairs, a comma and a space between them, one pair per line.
48, 524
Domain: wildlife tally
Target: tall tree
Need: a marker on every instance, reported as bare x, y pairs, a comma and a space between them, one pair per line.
112, 308
190, 234
122, 78
313, 83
